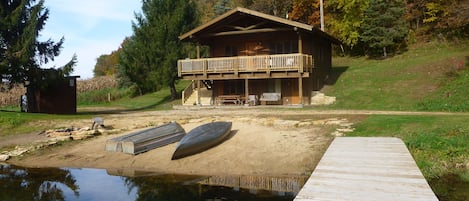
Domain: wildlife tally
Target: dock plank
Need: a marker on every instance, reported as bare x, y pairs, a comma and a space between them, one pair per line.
366, 169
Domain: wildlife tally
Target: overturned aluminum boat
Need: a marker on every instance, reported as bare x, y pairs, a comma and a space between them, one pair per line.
202, 138
147, 139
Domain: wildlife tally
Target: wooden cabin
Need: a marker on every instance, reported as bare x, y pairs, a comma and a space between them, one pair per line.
255, 58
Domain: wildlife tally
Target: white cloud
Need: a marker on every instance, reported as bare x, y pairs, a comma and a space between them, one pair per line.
97, 9
90, 27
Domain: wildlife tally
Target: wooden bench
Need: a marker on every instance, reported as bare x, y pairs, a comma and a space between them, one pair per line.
235, 99
270, 97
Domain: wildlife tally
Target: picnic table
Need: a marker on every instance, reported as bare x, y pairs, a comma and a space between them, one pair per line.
235, 99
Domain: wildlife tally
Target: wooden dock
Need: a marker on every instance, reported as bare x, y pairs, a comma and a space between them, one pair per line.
366, 168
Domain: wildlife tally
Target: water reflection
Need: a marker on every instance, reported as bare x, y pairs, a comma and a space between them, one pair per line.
281, 184
36, 184
17, 183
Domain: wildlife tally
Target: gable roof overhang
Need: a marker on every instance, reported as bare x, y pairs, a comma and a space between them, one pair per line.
241, 21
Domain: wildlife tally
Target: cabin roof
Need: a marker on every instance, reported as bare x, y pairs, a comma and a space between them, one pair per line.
240, 21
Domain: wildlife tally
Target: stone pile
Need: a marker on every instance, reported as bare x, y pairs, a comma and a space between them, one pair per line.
53, 137
343, 125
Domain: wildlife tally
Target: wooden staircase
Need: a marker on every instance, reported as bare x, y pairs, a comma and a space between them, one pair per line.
204, 97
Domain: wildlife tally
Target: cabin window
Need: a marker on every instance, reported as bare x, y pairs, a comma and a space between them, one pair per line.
231, 51
283, 47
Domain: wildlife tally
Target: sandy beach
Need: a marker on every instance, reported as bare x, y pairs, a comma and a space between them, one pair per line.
262, 143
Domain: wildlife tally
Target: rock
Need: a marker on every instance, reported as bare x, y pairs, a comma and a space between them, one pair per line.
337, 134
304, 124
319, 122
18, 151
345, 130
62, 138
84, 129
80, 137
334, 122
318, 98
286, 123
345, 124
4, 157
56, 134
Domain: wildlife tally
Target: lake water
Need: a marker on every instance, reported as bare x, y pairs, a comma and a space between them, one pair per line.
18, 183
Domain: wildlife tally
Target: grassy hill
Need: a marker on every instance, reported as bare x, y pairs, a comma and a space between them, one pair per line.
433, 76
429, 77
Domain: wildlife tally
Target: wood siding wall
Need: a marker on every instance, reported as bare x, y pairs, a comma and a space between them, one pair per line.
251, 44
59, 99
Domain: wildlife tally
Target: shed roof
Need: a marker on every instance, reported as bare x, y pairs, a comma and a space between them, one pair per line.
244, 21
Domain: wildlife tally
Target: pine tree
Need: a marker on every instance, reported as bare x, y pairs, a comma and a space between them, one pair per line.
149, 58
222, 6
21, 54
384, 26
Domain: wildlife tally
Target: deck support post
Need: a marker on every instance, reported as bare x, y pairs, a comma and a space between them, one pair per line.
300, 44
198, 92
300, 89
246, 91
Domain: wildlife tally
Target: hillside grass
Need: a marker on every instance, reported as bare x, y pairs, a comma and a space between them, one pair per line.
416, 80
429, 77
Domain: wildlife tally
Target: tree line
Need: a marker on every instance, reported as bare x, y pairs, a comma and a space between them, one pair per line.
147, 60
376, 28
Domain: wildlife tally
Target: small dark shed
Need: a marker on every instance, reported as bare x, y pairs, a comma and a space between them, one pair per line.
59, 98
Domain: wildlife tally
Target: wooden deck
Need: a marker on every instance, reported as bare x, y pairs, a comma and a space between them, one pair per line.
366, 168
263, 66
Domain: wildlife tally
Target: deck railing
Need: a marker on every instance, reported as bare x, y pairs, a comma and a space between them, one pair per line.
187, 92
263, 63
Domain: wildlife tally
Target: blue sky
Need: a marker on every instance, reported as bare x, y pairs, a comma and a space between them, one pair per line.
90, 27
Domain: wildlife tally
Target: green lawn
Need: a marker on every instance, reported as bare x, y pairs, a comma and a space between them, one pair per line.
415, 80
13, 122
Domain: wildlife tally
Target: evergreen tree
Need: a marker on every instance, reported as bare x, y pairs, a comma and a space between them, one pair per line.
278, 8
384, 27
21, 54
149, 58
222, 6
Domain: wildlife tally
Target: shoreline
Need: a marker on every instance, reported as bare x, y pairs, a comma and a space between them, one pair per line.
256, 148
264, 143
